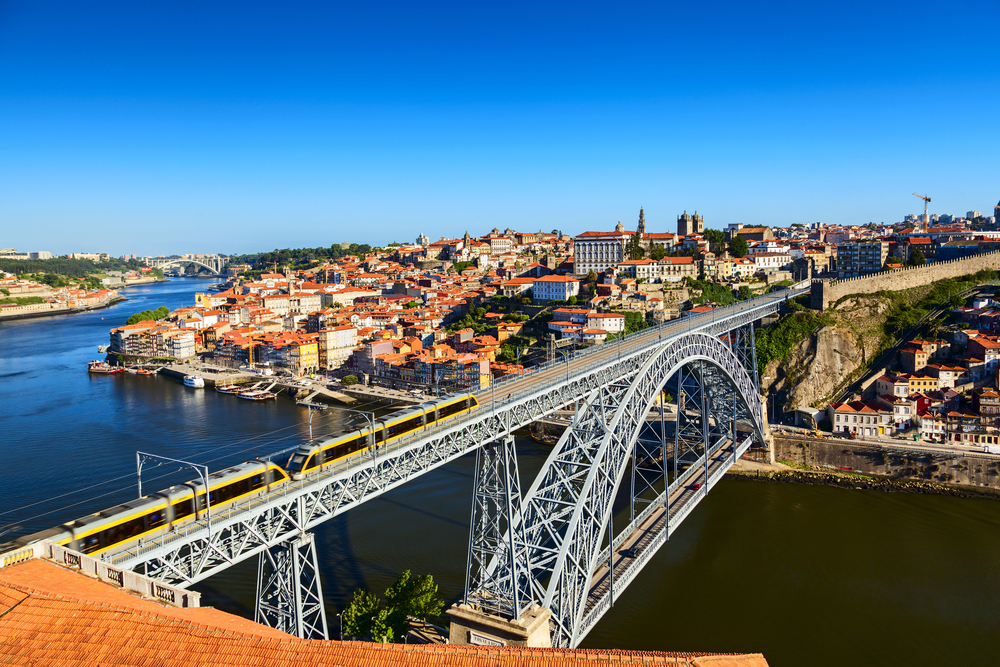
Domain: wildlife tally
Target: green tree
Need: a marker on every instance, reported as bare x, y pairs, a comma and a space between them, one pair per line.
358, 615
917, 257
145, 315
411, 596
892, 259
382, 628
413, 304
715, 237
634, 249
738, 246
744, 293
348, 380
571, 301
657, 252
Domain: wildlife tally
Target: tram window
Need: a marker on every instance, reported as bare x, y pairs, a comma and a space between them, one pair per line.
310, 463
114, 535
157, 518
449, 410
135, 527
257, 481
91, 543
296, 464
182, 508
410, 425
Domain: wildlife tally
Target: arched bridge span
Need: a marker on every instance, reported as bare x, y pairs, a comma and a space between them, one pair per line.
553, 555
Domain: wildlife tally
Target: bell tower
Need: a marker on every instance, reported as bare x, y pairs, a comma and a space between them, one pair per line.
641, 228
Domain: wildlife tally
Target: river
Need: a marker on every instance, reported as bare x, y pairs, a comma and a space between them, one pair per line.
806, 575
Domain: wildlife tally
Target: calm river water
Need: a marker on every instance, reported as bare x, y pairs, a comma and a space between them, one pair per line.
806, 575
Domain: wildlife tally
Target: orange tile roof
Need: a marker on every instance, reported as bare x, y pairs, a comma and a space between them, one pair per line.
50, 615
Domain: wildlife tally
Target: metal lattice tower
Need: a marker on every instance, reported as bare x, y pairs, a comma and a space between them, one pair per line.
289, 592
496, 498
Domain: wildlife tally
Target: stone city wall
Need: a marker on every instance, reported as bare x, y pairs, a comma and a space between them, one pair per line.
826, 291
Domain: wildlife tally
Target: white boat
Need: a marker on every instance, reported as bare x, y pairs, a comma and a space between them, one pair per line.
194, 381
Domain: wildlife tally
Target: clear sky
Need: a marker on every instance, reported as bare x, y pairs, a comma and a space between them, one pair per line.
168, 127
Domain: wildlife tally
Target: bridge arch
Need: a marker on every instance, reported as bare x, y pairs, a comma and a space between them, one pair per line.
566, 514
177, 262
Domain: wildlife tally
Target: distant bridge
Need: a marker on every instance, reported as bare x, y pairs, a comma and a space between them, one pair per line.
214, 263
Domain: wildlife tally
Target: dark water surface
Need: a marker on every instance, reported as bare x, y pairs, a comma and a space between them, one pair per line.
806, 575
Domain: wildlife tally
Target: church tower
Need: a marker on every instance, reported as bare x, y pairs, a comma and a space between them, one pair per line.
697, 224
619, 227
996, 212
683, 224
641, 228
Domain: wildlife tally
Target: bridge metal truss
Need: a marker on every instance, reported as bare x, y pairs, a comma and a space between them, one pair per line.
552, 547
289, 591
247, 529
215, 266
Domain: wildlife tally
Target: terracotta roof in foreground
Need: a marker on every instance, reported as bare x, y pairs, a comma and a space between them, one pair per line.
51, 615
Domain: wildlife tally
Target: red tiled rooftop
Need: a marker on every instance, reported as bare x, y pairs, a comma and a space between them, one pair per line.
51, 615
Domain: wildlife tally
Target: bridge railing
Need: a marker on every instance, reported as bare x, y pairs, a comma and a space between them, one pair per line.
645, 338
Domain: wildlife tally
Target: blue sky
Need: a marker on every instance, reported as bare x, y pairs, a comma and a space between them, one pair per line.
162, 127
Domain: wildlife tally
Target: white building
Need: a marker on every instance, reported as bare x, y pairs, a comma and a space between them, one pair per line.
769, 262
609, 322
554, 288
598, 251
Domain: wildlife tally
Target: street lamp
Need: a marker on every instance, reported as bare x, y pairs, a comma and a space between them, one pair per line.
567, 355
340, 616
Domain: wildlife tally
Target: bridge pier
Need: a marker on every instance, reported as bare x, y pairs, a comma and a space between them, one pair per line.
470, 626
289, 592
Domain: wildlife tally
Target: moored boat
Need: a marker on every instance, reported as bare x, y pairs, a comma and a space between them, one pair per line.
145, 371
194, 381
256, 395
103, 368
228, 388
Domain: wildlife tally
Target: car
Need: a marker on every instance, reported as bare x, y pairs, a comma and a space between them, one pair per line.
696, 486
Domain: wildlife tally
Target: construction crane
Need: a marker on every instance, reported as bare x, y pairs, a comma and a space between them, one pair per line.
927, 200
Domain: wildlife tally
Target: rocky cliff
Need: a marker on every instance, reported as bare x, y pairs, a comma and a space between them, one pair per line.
816, 368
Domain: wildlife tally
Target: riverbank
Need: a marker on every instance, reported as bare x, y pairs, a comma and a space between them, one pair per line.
784, 474
48, 312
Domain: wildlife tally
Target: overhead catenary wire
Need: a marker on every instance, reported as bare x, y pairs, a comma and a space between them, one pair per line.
153, 479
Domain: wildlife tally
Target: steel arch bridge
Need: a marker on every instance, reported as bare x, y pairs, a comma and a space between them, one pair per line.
214, 263
547, 548
556, 546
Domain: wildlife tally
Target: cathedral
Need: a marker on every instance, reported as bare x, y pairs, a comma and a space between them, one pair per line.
687, 225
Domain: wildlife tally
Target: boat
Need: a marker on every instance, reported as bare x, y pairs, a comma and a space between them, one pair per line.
228, 388
194, 381
103, 367
256, 395
145, 371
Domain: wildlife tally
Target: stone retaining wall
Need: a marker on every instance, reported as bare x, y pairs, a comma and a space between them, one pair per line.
826, 291
961, 469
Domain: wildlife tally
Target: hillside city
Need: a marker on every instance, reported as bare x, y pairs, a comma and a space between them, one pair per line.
452, 313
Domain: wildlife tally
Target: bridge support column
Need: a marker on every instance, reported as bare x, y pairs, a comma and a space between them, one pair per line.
289, 592
473, 626
495, 575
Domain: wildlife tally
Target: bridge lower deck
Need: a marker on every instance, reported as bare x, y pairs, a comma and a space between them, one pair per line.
645, 536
